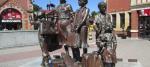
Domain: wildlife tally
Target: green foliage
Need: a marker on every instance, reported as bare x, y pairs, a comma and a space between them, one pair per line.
93, 14
36, 7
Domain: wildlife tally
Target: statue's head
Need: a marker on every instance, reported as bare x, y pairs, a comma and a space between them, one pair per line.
62, 1
82, 2
102, 7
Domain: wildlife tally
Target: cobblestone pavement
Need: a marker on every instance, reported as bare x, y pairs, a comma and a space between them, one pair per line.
130, 53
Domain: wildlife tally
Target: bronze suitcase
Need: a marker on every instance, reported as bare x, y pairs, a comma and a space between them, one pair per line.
57, 63
109, 56
69, 62
91, 60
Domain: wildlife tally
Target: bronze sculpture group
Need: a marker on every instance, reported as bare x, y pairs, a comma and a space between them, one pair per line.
61, 26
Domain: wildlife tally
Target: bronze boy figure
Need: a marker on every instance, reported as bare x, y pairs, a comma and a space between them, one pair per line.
65, 16
105, 38
80, 22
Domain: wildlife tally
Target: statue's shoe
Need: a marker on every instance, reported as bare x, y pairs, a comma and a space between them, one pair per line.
45, 65
42, 65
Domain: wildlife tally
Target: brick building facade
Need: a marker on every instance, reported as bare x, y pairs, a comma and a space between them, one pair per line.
140, 10
15, 13
120, 14
127, 15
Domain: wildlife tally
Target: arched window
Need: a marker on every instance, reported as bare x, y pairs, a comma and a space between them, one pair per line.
11, 19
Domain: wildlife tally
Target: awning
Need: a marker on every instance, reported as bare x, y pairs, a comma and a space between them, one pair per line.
145, 12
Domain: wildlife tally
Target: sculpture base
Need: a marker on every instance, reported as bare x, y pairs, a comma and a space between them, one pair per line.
37, 62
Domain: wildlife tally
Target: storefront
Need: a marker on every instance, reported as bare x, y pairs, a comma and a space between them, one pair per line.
144, 23
11, 19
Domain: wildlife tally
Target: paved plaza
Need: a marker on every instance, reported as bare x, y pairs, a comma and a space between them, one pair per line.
130, 53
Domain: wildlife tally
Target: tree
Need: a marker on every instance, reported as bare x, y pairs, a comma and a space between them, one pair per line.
36, 7
93, 14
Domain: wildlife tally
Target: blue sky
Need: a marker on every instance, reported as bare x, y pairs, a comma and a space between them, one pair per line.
92, 4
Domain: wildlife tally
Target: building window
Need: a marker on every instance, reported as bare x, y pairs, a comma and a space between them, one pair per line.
144, 1
10, 19
133, 2
114, 20
129, 19
148, 0
139, 2
122, 20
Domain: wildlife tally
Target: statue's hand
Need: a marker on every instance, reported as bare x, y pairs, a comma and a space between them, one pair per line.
114, 48
75, 28
72, 30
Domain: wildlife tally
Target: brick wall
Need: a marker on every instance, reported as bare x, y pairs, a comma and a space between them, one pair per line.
134, 24
2, 2
22, 6
118, 5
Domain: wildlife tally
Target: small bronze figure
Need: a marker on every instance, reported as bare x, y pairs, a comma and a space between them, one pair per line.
80, 27
64, 20
105, 38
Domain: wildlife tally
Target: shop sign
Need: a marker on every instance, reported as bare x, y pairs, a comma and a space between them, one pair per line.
11, 21
145, 12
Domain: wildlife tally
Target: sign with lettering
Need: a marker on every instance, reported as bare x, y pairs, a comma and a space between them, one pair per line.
11, 21
11, 15
145, 12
